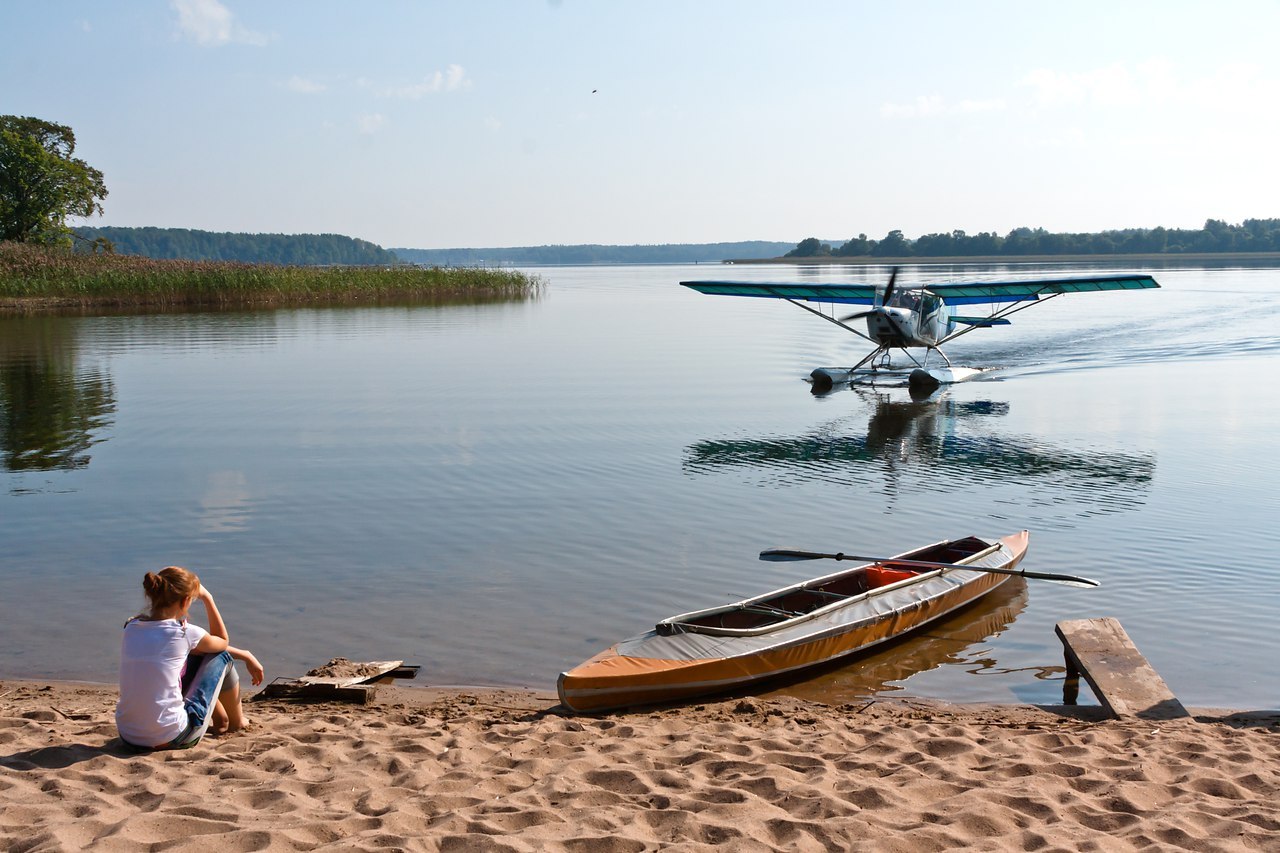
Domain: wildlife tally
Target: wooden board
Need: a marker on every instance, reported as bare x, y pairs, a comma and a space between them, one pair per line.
293, 689
373, 671
1122, 679
359, 688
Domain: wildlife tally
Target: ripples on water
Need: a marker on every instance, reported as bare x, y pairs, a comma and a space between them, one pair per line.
498, 491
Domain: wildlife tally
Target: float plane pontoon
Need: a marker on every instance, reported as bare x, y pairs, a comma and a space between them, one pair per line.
923, 316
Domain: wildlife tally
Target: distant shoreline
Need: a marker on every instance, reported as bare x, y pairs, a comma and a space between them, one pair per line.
1198, 257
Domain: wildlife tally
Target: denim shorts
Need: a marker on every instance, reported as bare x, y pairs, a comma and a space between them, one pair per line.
202, 681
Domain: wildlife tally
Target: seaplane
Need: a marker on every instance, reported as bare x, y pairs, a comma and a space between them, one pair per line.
916, 317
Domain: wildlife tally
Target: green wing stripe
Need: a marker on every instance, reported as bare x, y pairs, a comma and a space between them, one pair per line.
860, 294
1018, 291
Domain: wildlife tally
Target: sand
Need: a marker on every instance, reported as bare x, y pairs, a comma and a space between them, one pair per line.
504, 770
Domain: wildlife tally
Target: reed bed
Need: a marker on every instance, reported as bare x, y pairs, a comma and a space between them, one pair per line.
36, 278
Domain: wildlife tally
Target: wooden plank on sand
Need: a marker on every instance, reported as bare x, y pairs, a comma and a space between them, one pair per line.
1122, 679
341, 672
340, 679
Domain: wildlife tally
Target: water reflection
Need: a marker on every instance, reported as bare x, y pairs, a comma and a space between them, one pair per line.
935, 445
52, 407
959, 639
225, 503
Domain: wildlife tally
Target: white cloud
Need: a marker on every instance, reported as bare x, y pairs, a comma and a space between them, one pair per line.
1114, 85
371, 122
1238, 87
208, 22
924, 105
991, 105
1155, 82
451, 79
933, 105
304, 85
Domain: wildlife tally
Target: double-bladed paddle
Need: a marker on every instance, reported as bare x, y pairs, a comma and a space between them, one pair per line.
782, 554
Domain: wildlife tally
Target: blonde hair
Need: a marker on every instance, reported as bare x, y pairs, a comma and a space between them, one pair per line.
170, 586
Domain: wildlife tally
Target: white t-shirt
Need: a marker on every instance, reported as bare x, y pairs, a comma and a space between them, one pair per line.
150, 711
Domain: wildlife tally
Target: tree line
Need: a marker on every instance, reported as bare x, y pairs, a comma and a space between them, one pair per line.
187, 244
663, 253
1252, 235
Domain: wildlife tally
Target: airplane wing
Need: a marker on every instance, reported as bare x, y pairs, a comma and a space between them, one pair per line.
1029, 291
992, 293
854, 294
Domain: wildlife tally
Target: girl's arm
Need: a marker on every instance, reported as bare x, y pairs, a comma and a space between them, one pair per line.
217, 627
250, 663
210, 645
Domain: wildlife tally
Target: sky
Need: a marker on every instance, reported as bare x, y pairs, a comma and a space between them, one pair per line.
490, 123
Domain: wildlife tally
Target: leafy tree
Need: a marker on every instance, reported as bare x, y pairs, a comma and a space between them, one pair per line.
894, 245
855, 247
938, 245
41, 183
810, 247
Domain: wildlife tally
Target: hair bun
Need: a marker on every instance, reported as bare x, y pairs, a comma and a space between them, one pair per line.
171, 585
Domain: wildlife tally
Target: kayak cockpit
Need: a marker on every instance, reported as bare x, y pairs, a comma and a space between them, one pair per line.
784, 607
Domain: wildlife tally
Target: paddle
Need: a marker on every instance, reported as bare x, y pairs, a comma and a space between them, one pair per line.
781, 554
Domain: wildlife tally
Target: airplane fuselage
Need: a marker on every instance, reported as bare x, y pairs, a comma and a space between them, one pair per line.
911, 319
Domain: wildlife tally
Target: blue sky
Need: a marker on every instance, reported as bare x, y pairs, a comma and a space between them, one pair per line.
478, 123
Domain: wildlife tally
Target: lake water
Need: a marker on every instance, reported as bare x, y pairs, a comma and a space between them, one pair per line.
496, 492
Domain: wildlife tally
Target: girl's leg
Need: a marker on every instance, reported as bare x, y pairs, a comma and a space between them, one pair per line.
218, 722
228, 716
202, 696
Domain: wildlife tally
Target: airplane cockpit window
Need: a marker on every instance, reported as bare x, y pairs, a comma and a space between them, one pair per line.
905, 299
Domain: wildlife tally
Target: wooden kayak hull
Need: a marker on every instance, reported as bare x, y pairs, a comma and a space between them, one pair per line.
635, 672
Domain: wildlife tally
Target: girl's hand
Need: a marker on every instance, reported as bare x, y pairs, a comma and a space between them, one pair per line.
203, 593
256, 672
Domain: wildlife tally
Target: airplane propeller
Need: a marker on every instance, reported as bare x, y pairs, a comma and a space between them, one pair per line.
888, 291
888, 294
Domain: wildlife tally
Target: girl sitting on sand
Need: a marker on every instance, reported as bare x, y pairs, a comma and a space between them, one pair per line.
177, 679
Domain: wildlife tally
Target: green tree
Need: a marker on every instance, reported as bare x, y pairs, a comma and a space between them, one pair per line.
855, 247
894, 245
41, 183
810, 247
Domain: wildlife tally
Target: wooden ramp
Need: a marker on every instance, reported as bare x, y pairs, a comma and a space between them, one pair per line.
1121, 678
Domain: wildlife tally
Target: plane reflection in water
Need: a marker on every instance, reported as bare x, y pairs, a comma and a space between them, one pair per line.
955, 640
52, 408
937, 446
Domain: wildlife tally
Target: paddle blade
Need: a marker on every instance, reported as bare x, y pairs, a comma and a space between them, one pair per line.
1066, 580
783, 555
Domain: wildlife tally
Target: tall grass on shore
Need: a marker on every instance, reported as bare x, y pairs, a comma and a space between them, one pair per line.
34, 278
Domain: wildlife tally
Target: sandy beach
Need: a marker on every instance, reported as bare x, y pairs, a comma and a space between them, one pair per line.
459, 769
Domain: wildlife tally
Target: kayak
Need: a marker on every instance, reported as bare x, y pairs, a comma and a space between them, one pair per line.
805, 624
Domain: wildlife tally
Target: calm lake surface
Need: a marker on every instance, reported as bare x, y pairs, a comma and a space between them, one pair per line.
496, 492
